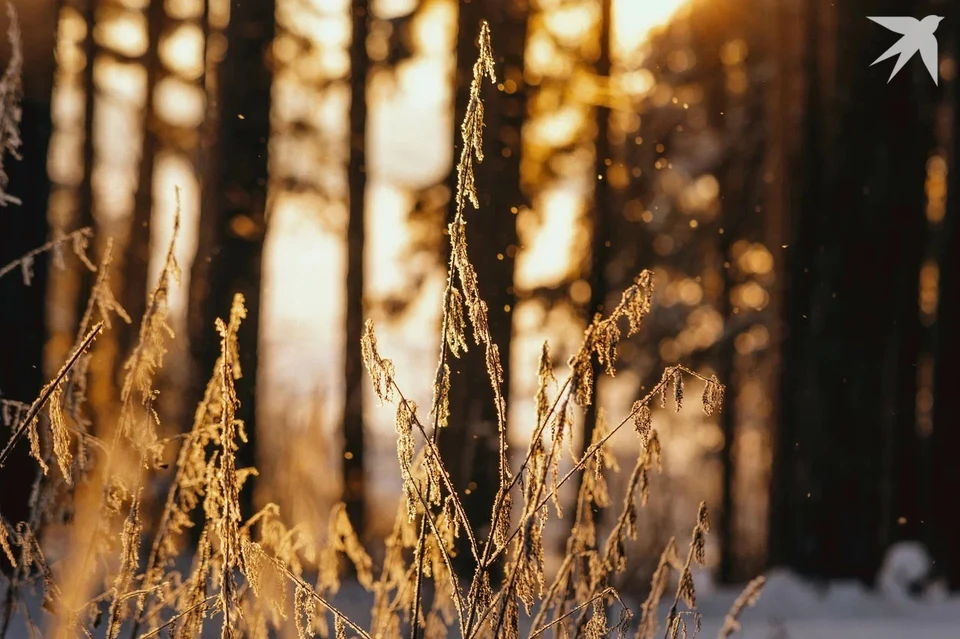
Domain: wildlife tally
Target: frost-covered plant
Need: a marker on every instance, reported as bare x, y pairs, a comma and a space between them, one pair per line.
123, 576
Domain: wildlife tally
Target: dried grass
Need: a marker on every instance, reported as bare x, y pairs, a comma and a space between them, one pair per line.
251, 574
10, 95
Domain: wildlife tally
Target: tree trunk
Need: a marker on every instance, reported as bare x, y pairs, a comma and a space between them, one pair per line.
734, 201
22, 228
85, 195
353, 435
945, 481
600, 214
233, 215
851, 305
137, 260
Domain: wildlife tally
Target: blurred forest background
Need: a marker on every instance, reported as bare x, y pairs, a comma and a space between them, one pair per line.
799, 212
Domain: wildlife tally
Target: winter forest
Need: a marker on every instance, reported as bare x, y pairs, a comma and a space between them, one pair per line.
478, 319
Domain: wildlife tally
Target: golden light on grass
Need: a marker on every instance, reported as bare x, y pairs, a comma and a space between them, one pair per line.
246, 570
172, 172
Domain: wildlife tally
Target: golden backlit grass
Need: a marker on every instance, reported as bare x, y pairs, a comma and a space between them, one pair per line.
122, 574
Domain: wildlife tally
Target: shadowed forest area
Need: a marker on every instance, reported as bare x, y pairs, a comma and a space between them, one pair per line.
684, 272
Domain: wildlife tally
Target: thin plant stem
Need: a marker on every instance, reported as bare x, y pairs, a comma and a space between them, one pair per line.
38, 405
570, 613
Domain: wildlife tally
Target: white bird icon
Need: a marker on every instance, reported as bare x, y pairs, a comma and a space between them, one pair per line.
917, 36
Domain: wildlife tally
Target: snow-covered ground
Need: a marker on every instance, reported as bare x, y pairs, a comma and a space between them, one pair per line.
789, 608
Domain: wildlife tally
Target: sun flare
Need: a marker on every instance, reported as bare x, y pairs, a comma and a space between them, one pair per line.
633, 20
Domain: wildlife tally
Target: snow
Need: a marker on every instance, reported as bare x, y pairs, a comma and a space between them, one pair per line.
789, 608
905, 564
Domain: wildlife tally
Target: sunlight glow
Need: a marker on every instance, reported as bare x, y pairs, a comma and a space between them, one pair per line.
936, 188
635, 83
558, 128
182, 51
424, 78
309, 261
178, 102
386, 252
124, 33
115, 166
71, 31
570, 24
546, 258
184, 9
434, 28
542, 57
121, 81
174, 171
633, 20
929, 290
756, 260
65, 167
751, 295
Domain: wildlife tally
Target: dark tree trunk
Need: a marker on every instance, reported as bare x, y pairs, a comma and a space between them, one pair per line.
600, 215
137, 259
22, 310
22, 228
726, 372
851, 305
85, 195
783, 101
945, 481
726, 118
353, 435
470, 444
233, 215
